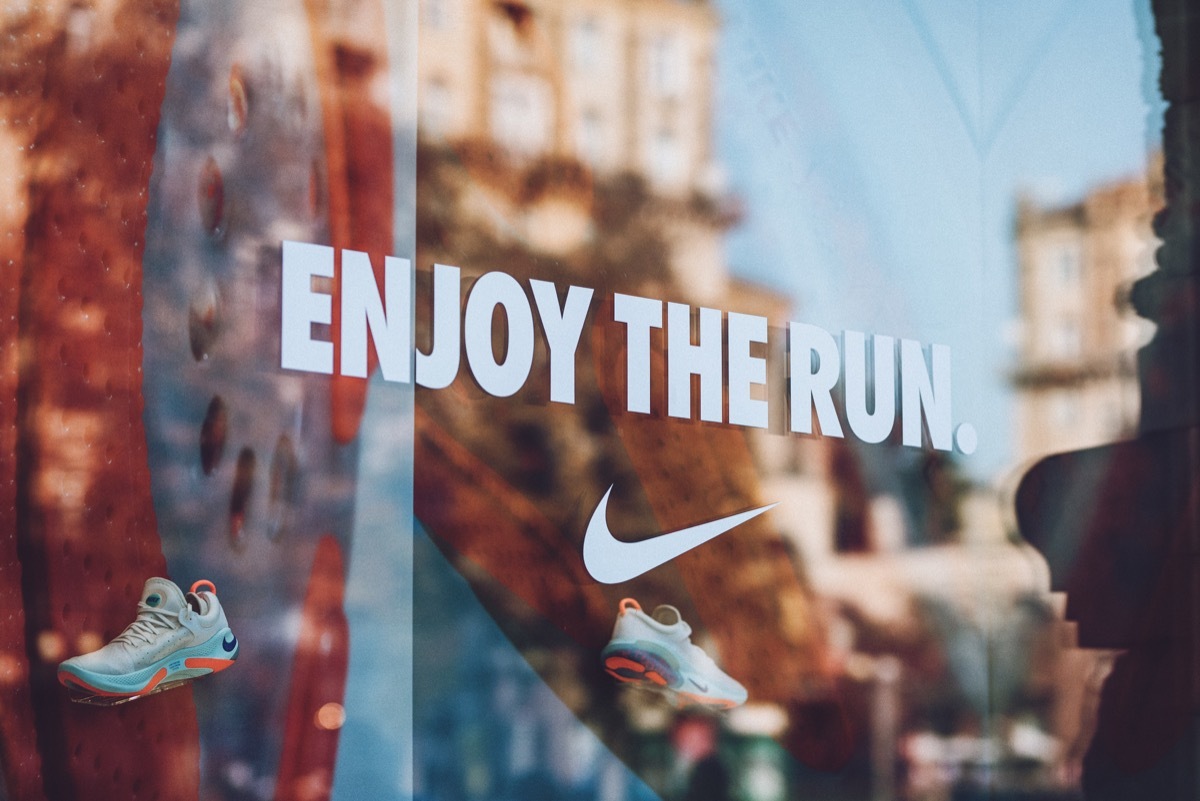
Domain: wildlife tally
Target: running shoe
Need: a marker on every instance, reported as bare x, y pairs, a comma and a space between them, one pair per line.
175, 638
656, 651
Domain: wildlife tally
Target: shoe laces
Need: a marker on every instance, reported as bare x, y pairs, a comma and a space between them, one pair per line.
148, 624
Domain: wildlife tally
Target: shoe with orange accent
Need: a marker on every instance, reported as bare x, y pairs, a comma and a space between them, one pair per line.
656, 651
175, 639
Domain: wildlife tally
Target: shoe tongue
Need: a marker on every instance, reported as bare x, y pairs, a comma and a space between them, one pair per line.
162, 594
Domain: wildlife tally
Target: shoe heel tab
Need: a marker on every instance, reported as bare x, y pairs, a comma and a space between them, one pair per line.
196, 587
629, 603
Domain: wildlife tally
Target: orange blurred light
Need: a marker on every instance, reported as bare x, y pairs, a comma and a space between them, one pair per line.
331, 716
11, 669
51, 646
89, 641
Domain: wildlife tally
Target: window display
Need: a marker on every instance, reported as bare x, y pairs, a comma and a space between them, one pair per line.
629, 400
174, 639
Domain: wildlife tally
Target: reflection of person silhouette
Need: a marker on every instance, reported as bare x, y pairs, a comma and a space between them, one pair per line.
702, 775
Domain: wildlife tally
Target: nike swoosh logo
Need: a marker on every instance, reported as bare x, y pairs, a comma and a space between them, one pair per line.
229, 644
611, 561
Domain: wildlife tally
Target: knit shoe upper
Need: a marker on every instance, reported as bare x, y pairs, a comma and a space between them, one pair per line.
169, 624
657, 651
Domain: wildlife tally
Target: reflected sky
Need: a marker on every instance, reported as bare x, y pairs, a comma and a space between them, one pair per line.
880, 149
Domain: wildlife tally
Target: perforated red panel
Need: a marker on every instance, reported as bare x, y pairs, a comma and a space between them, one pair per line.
19, 93
86, 534
314, 708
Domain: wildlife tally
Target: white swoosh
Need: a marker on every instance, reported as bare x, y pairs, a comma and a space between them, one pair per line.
611, 561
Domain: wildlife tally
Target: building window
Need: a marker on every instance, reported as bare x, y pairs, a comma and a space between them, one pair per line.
436, 14
520, 113
1062, 412
1066, 339
585, 44
1068, 267
590, 138
667, 62
434, 121
666, 158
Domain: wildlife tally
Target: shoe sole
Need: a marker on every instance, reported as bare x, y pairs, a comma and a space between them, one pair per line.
647, 665
167, 673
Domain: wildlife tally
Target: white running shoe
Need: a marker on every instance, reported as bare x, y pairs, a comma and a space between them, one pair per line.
174, 639
657, 652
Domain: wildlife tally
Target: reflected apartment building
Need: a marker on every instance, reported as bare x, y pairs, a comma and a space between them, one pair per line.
617, 87
1076, 383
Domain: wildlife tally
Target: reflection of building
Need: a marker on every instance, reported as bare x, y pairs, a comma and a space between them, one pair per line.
619, 86
611, 88
1077, 380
